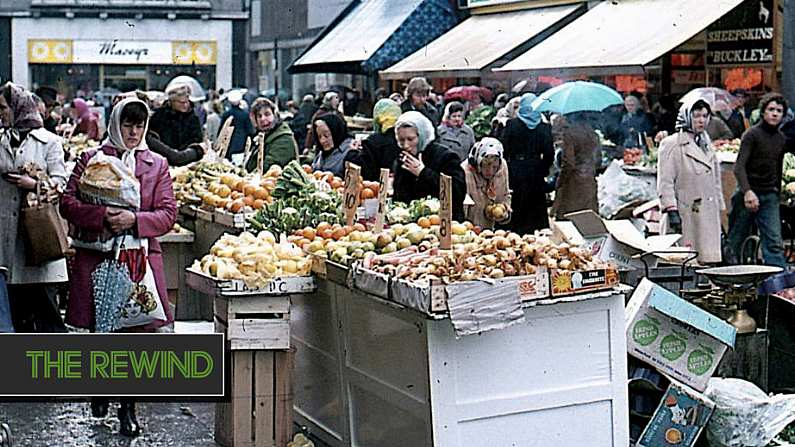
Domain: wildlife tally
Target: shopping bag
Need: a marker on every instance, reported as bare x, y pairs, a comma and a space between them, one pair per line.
143, 304
44, 231
106, 180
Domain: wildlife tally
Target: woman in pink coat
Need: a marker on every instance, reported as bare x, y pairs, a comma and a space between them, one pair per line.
156, 216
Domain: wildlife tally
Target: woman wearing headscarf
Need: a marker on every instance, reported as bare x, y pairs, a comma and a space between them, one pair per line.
689, 184
453, 133
576, 188
25, 144
155, 217
635, 124
487, 184
332, 144
504, 114
419, 166
85, 119
279, 143
529, 153
380, 149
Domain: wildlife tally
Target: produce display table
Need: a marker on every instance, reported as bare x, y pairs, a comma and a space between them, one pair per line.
373, 372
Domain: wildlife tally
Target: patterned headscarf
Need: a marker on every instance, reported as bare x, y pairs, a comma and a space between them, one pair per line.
385, 114
526, 113
24, 108
423, 126
684, 122
115, 138
486, 147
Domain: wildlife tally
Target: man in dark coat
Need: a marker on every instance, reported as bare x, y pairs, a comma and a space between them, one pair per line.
240, 121
417, 93
175, 123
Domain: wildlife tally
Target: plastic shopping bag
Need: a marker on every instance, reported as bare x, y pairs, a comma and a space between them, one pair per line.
744, 415
617, 189
143, 305
108, 181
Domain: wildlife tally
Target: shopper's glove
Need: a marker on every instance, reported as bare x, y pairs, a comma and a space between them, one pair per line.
674, 222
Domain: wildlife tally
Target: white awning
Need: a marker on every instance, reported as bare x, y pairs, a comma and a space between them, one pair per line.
476, 43
360, 33
621, 36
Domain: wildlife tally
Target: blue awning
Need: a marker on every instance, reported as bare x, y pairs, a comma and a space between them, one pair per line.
373, 34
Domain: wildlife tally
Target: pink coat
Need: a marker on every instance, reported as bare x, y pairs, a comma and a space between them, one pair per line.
155, 218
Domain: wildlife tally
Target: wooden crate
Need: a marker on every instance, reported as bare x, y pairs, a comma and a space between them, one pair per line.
253, 322
259, 412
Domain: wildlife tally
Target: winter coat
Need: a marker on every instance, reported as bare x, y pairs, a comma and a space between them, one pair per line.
577, 189
429, 110
437, 160
45, 150
379, 151
280, 148
212, 126
177, 130
155, 218
243, 129
334, 162
689, 180
529, 154
717, 129
485, 192
175, 157
458, 139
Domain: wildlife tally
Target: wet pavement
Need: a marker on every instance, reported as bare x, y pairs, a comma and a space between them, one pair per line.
69, 424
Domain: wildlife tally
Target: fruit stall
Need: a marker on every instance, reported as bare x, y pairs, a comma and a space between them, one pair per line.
411, 329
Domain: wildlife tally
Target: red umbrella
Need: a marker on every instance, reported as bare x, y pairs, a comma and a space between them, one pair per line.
462, 93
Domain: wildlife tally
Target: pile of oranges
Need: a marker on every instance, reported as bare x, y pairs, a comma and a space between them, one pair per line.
368, 189
241, 194
324, 230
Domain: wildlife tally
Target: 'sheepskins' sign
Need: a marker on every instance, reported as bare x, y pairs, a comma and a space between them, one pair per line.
744, 36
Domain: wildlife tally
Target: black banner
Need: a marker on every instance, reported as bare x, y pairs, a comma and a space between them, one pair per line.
190, 365
744, 36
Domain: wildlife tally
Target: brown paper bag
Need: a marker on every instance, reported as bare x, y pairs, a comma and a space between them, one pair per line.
44, 232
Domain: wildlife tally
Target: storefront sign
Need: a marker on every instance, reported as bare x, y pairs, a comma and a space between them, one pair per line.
744, 36
689, 77
113, 51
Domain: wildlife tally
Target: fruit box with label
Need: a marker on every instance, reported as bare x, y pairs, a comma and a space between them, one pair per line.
567, 282
616, 241
681, 340
679, 419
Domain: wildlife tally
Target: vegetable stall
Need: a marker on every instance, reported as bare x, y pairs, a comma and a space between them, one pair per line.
495, 337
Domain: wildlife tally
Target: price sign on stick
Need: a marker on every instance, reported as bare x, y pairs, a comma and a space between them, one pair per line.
380, 215
219, 143
261, 154
446, 211
247, 151
351, 196
649, 143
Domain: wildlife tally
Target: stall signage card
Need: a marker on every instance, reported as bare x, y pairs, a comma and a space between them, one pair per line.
380, 214
351, 196
567, 282
679, 419
446, 211
679, 339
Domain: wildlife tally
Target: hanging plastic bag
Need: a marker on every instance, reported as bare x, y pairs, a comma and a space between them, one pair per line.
143, 305
618, 189
744, 415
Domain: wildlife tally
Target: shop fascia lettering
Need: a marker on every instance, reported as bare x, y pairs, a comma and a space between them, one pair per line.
734, 35
112, 48
756, 55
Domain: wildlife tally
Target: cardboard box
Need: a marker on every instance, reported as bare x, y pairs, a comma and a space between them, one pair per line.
678, 420
679, 339
616, 241
567, 282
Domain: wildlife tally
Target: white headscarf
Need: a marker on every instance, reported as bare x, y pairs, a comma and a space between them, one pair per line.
423, 126
486, 147
115, 137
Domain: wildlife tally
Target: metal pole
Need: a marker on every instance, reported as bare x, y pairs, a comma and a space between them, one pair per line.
788, 50
276, 69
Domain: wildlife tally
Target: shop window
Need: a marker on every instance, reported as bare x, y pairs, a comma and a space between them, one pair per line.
744, 78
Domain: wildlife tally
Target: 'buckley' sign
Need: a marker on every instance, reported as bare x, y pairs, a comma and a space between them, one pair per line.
744, 36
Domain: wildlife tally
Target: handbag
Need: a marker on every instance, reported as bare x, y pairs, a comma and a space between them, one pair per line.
44, 231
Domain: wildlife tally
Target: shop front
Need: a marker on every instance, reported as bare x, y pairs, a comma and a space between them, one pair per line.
120, 55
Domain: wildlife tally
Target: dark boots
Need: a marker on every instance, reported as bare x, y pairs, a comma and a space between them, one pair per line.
99, 407
128, 423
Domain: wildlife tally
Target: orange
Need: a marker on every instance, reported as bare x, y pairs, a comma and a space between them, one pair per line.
248, 201
309, 233
237, 205
367, 193
238, 186
249, 190
261, 193
258, 204
338, 234
323, 226
237, 195
326, 233
336, 183
424, 222
359, 227
435, 219
375, 186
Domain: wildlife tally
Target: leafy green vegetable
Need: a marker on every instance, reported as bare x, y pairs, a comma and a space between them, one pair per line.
305, 209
